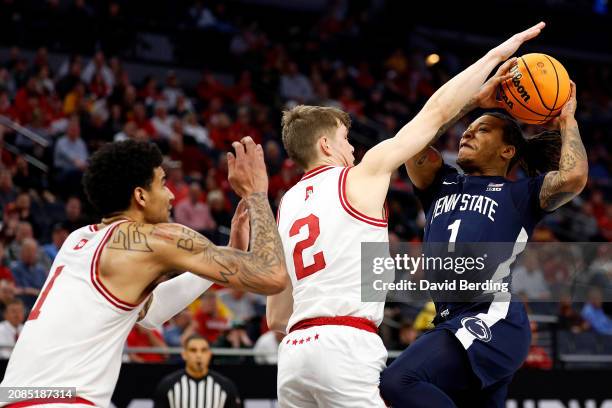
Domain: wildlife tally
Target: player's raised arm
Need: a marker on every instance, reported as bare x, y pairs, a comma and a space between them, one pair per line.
422, 167
445, 104
562, 185
260, 270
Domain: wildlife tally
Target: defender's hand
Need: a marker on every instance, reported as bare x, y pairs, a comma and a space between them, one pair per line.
506, 49
247, 169
486, 98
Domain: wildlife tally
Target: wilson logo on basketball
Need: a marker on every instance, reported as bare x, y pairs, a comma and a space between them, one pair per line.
516, 81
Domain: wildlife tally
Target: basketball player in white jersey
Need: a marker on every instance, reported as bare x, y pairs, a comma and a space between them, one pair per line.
104, 274
332, 356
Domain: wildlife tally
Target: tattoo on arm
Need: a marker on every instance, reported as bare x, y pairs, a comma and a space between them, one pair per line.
130, 239
556, 189
250, 268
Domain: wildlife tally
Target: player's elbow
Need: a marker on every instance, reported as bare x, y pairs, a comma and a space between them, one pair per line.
278, 281
577, 180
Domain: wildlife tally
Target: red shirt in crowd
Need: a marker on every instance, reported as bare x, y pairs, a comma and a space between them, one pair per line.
209, 326
138, 337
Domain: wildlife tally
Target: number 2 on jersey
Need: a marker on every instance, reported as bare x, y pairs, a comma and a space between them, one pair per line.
312, 223
43, 295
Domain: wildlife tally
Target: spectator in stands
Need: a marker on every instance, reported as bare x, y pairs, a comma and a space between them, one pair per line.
236, 338
29, 275
5, 272
528, 278
178, 330
241, 304
218, 209
70, 157
141, 120
58, 236
570, 319
537, 356
193, 211
8, 193
97, 65
74, 215
211, 323
593, 313
175, 181
23, 230
171, 392
162, 122
10, 328
172, 90
141, 337
295, 86
181, 326
21, 210
8, 293
193, 129
268, 343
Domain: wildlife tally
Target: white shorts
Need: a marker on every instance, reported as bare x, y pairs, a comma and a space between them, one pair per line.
330, 366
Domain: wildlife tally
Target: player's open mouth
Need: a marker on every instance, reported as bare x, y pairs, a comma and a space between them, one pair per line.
462, 145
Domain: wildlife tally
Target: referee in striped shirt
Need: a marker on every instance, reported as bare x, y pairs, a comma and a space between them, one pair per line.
196, 386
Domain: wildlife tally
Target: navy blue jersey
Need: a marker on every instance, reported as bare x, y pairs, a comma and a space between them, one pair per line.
478, 213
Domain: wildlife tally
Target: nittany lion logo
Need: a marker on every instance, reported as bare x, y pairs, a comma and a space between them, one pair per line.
477, 327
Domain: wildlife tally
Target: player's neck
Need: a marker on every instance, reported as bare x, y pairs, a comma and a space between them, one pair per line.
129, 215
327, 161
486, 172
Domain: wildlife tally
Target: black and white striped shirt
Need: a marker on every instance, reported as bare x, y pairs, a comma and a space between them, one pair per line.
180, 390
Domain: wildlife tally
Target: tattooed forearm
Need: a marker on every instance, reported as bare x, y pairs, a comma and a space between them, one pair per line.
130, 238
560, 186
254, 269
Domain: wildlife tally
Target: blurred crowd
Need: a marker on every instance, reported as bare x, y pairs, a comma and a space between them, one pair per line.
90, 99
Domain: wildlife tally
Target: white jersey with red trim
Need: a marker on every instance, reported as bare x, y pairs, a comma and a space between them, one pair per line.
322, 235
76, 331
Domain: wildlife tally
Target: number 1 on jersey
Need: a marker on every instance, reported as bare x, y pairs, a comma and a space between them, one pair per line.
43, 295
454, 227
312, 223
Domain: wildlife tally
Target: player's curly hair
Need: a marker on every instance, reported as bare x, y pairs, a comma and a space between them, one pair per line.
115, 170
537, 154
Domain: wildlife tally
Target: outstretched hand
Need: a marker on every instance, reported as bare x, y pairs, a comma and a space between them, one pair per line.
247, 169
486, 98
506, 49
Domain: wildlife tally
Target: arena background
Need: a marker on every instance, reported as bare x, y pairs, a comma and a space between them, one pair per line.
193, 76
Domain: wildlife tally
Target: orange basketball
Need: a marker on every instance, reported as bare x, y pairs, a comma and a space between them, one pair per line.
538, 89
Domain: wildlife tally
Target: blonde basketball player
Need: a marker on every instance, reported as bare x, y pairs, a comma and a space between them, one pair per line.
102, 278
332, 356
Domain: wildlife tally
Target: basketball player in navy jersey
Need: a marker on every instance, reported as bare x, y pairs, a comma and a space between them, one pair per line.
478, 343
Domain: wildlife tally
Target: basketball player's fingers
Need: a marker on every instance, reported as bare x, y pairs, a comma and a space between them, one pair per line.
239, 149
249, 144
572, 89
259, 151
506, 66
531, 32
231, 160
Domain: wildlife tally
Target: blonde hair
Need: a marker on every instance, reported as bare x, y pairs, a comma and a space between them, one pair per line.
302, 127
